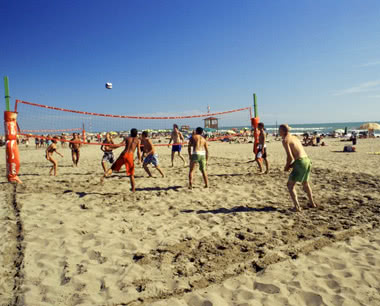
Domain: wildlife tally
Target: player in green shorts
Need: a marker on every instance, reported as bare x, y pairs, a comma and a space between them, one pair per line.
298, 160
199, 155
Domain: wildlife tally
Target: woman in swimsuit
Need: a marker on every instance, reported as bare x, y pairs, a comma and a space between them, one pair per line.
49, 156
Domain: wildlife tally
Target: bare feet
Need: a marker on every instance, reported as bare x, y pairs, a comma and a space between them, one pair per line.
313, 205
296, 209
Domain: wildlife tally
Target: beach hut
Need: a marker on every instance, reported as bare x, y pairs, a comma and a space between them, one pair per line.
211, 123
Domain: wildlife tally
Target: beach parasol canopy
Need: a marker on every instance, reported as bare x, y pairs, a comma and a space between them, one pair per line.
370, 126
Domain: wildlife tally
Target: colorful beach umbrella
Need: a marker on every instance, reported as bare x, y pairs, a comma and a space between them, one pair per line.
370, 126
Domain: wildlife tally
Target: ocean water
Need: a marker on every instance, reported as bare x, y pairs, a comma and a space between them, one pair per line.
321, 128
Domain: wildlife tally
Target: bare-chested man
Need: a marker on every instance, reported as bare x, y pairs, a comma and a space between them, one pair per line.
74, 145
199, 155
301, 164
150, 154
262, 150
107, 147
126, 158
177, 138
49, 156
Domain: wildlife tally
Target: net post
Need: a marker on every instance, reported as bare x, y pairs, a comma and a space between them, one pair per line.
10, 130
83, 134
255, 105
6, 87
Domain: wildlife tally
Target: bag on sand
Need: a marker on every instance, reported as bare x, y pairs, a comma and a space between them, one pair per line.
349, 149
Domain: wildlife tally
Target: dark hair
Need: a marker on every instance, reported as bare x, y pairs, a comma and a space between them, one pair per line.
199, 130
261, 125
133, 132
145, 134
175, 126
284, 127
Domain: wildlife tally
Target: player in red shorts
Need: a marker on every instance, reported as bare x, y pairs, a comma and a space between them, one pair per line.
126, 158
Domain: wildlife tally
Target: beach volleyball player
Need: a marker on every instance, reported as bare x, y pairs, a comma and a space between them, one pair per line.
126, 158
297, 160
49, 156
151, 156
107, 148
177, 138
199, 156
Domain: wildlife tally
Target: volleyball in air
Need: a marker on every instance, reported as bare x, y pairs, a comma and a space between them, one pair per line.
109, 85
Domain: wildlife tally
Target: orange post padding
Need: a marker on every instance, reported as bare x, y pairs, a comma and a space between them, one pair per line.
255, 123
12, 155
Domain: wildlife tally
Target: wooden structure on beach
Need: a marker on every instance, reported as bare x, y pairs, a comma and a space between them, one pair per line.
211, 123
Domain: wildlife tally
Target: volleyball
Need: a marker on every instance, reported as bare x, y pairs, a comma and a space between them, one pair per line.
109, 85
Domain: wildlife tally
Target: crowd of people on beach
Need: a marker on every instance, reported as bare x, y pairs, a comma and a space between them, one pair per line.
297, 160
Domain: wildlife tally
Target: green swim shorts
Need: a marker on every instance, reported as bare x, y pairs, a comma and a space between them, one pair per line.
200, 159
301, 170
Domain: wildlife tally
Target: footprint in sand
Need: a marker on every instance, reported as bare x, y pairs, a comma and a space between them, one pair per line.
267, 288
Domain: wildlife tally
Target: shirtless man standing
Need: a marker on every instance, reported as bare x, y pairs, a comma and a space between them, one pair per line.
177, 138
199, 155
126, 158
75, 149
262, 150
107, 148
301, 164
150, 154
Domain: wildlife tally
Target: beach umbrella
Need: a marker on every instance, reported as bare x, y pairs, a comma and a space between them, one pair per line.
370, 126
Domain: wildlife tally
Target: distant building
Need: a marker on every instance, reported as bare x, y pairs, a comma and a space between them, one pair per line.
184, 128
211, 123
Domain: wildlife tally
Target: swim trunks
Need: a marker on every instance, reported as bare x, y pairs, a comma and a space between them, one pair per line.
152, 158
108, 157
127, 160
176, 148
301, 170
200, 158
75, 150
260, 152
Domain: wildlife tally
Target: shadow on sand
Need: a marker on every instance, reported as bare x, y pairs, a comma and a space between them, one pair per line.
237, 209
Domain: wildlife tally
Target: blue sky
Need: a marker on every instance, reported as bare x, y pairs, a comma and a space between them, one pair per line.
307, 61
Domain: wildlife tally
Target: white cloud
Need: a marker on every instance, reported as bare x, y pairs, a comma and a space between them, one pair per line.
370, 64
363, 87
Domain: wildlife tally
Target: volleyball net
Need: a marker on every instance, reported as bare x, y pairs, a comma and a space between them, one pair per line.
43, 121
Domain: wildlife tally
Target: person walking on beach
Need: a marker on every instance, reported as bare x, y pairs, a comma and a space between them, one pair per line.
150, 155
298, 160
126, 158
75, 149
177, 138
107, 148
199, 156
262, 150
49, 156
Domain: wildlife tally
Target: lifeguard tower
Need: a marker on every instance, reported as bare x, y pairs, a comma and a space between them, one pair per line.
210, 122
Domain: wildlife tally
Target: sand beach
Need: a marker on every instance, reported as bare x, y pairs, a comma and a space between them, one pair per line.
68, 240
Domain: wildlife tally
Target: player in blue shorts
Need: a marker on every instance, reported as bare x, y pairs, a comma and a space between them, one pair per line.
177, 138
150, 155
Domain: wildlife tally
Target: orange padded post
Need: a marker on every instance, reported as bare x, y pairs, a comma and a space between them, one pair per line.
12, 155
